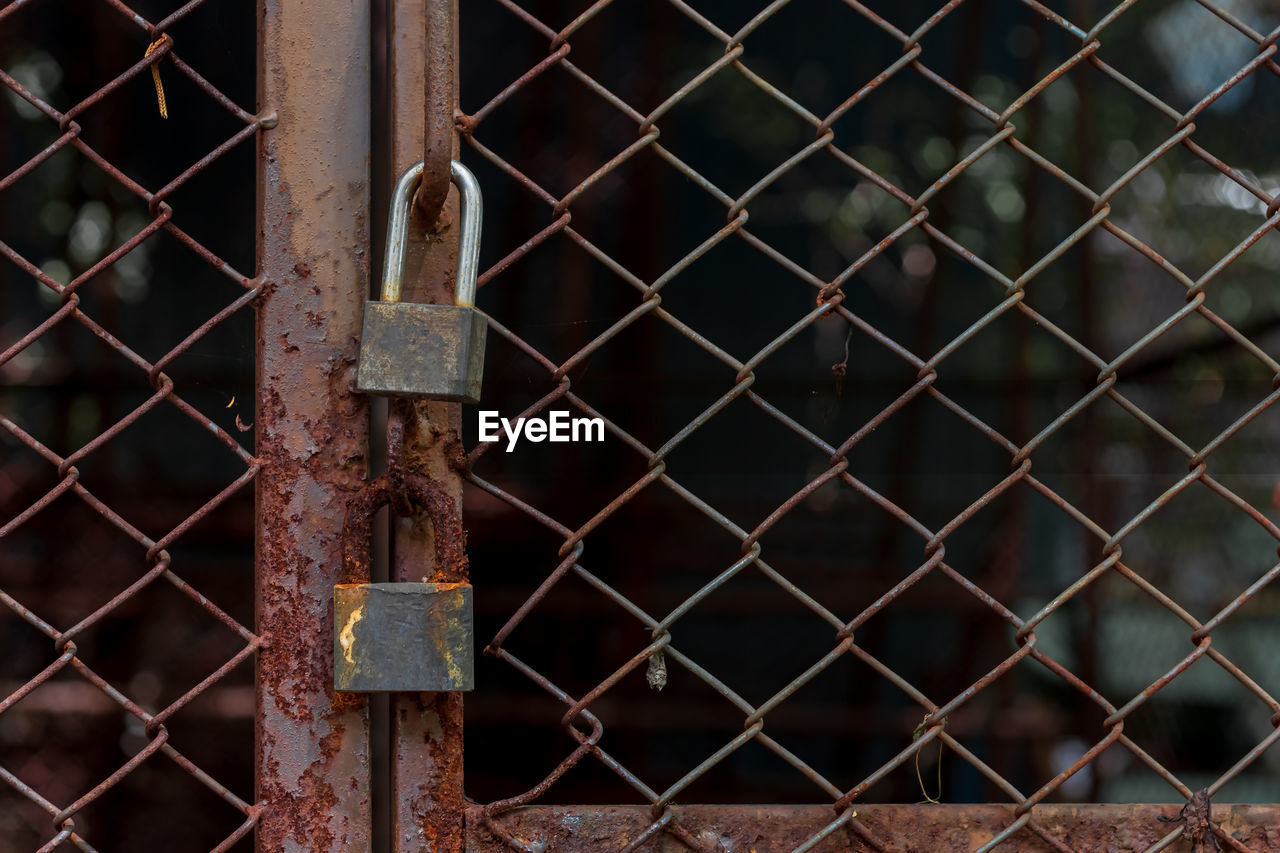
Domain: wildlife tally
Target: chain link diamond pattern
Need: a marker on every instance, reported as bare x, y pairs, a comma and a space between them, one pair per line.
155, 563
1006, 295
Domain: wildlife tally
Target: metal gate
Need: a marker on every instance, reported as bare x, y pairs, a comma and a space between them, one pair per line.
934, 348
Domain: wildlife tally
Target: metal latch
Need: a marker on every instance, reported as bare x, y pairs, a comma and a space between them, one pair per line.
403, 637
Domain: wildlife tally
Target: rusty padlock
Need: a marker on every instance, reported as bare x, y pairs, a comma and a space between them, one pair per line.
430, 351
403, 637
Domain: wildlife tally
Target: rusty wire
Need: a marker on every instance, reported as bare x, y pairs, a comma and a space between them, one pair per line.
153, 557
1007, 295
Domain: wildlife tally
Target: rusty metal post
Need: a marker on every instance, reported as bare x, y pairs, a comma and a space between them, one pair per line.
440, 97
426, 729
312, 743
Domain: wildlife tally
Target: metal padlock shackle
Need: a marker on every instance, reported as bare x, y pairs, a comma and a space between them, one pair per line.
428, 351
446, 526
464, 294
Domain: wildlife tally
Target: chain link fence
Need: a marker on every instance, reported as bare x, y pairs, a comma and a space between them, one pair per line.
127, 213
934, 345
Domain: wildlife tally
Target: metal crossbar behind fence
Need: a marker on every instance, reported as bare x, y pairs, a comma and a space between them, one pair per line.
1007, 294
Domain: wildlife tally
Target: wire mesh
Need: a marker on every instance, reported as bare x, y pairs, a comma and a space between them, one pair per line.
1010, 291
84, 498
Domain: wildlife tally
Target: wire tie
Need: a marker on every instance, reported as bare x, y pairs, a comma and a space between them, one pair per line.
155, 74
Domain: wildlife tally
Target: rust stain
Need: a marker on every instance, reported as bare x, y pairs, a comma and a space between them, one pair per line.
347, 636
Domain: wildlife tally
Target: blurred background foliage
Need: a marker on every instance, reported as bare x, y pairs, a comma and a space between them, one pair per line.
837, 546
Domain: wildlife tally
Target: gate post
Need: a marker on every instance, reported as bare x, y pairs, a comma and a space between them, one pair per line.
426, 728
313, 183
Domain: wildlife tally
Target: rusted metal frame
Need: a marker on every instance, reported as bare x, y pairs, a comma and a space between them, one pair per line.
426, 793
664, 818
1024, 803
313, 248
587, 744
941, 828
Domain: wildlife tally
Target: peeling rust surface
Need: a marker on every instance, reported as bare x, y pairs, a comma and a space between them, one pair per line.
426, 754
426, 749
915, 829
438, 506
312, 744
439, 99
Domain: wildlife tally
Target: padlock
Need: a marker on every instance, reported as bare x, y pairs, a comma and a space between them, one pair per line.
431, 351
403, 637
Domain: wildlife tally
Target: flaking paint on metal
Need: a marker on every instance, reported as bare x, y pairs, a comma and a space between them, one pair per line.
913, 828
311, 743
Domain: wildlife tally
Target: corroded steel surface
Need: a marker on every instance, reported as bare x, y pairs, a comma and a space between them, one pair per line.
437, 65
313, 760
426, 728
407, 635
564, 65
883, 828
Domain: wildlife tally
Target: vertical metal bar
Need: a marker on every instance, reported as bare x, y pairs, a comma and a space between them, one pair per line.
426, 729
439, 98
380, 561
312, 744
